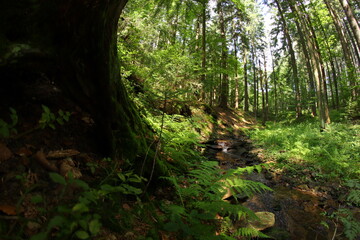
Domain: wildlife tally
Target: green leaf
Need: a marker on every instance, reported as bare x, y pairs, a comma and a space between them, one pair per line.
122, 177
94, 226
81, 184
84, 224
171, 226
37, 199
57, 178
4, 131
82, 234
80, 207
56, 222
39, 236
45, 109
60, 121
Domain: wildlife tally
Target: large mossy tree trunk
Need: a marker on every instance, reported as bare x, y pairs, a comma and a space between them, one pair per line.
73, 42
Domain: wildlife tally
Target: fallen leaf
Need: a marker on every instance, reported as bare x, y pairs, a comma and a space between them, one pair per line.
5, 152
68, 166
41, 158
126, 207
8, 209
88, 120
24, 152
63, 153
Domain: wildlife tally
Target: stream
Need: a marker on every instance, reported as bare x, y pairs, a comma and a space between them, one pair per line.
297, 210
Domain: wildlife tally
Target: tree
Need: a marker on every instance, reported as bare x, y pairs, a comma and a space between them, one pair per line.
292, 59
224, 54
352, 20
73, 43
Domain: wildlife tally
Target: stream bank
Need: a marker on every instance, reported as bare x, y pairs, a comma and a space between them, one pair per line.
297, 208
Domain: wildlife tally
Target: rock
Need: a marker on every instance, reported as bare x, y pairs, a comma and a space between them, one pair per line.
215, 147
5, 153
266, 220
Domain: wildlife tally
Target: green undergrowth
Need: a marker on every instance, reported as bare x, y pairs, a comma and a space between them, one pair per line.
200, 212
196, 209
304, 153
333, 153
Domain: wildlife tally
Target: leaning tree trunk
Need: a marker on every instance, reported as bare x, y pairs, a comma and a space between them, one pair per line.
73, 42
355, 28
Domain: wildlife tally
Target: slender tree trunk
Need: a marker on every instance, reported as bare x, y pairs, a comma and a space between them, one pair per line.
246, 91
349, 61
225, 77
292, 60
352, 20
266, 90
261, 78
236, 77
203, 49
315, 61
255, 104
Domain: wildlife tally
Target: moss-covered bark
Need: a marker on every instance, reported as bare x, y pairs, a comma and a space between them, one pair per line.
73, 42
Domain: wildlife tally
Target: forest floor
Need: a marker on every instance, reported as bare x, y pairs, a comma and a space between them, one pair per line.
47, 142
298, 201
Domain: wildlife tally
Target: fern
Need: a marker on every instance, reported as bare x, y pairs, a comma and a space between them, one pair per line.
354, 195
201, 192
351, 224
250, 232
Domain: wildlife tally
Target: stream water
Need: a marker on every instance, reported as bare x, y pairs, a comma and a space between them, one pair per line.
297, 212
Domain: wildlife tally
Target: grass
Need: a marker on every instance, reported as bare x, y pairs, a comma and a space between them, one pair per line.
334, 152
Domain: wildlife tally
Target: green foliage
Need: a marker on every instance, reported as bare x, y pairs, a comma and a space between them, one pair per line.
353, 196
333, 152
6, 129
84, 217
349, 221
201, 192
49, 119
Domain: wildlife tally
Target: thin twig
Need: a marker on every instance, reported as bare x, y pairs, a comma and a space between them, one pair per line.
158, 145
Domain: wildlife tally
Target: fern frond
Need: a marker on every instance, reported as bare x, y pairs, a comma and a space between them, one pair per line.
354, 197
246, 187
250, 232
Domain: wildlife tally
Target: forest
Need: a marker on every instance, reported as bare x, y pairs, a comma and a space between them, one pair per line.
180, 119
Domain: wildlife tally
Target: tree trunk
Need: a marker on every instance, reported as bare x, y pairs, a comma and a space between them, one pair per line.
236, 77
349, 61
266, 90
292, 60
75, 46
203, 49
352, 20
225, 78
246, 91
255, 104
316, 63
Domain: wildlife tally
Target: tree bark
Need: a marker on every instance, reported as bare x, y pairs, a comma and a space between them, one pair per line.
76, 45
349, 61
292, 60
352, 20
224, 52
203, 48
315, 62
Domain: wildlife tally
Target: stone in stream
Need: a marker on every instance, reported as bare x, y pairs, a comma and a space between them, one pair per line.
266, 220
215, 147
